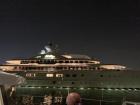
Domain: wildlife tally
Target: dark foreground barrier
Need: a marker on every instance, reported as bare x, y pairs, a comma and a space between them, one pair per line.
3, 97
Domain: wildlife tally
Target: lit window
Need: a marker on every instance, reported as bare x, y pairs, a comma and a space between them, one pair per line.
79, 68
67, 56
38, 56
30, 74
49, 57
49, 75
59, 75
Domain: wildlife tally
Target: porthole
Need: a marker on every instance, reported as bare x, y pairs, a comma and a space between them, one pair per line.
67, 75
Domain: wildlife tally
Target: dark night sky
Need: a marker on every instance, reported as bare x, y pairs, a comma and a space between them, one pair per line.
106, 30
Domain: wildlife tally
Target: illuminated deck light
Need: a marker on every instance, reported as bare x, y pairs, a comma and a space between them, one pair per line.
122, 89
135, 89
49, 57
68, 88
81, 88
129, 89
109, 89
103, 89
74, 88
116, 89
61, 88
88, 88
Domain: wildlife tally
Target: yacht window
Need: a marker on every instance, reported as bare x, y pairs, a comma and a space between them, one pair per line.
40, 62
65, 68
15, 67
79, 68
49, 75
67, 75
32, 62
60, 61
23, 62
49, 57
66, 61
76, 61
71, 61
59, 75
60, 68
52, 62
74, 75
81, 61
30, 74
86, 61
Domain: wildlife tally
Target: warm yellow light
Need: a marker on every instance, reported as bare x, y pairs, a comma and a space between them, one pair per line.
13, 62
113, 67
67, 56
49, 57
30, 74
49, 75
59, 75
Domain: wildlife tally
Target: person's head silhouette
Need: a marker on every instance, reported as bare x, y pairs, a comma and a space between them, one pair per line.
73, 99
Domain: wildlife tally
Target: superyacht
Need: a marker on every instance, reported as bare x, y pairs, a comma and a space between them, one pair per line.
51, 75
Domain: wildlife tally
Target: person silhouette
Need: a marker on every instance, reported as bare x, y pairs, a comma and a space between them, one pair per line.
73, 99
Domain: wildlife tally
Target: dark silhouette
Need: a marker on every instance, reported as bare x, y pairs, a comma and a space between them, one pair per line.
73, 99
